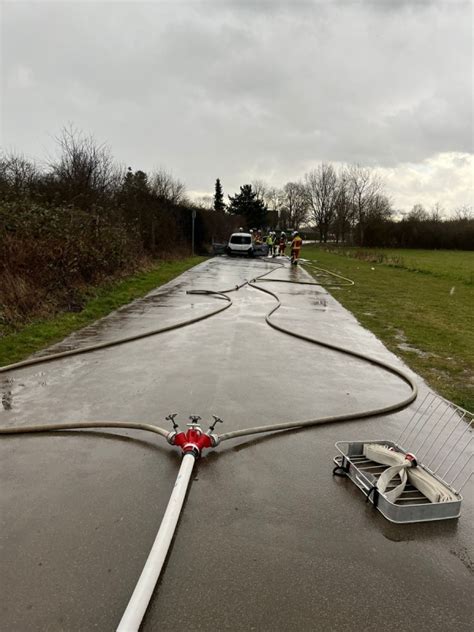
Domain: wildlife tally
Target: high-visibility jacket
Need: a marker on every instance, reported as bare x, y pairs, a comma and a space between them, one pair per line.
270, 240
296, 243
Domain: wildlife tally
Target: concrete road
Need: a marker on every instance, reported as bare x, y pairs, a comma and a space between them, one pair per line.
268, 540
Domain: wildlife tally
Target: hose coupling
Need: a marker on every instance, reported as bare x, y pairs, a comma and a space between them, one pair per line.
171, 436
214, 439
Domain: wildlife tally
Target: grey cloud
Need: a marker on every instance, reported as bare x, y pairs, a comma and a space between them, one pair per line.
209, 88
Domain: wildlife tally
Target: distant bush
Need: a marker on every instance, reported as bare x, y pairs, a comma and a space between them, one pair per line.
48, 255
83, 219
448, 234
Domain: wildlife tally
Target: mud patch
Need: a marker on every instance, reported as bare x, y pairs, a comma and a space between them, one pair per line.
404, 345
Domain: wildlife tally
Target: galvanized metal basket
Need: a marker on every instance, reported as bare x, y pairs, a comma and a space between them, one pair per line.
440, 435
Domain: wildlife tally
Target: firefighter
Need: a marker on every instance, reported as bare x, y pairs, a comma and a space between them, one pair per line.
282, 244
295, 247
270, 243
275, 244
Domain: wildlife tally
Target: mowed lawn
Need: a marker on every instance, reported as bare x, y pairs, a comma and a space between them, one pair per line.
418, 302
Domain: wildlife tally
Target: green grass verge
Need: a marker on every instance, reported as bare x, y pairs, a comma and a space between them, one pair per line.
419, 303
102, 300
456, 265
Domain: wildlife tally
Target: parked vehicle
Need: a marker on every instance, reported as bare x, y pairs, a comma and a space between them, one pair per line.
240, 244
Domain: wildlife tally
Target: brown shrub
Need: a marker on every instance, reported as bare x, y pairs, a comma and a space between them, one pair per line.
48, 256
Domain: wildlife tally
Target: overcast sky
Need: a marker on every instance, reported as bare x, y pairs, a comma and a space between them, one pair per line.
250, 90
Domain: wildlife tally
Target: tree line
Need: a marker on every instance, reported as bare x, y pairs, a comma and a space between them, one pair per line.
349, 206
80, 217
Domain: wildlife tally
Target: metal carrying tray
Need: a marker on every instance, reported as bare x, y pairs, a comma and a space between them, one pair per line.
411, 506
440, 436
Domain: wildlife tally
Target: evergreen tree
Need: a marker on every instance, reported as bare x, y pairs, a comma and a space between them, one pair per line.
137, 204
135, 189
219, 204
249, 206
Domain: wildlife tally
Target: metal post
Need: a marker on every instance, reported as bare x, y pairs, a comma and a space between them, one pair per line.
192, 232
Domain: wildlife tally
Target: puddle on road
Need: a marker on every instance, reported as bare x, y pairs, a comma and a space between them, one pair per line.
7, 400
7, 392
320, 302
97, 331
463, 556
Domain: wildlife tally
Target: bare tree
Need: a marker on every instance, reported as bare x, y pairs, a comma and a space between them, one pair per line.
322, 192
205, 202
464, 213
436, 212
272, 198
343, 208
379, 207
17, 174
260, 187
418, 214
363, 186
294, 204
377, 218
85, 171
166, 187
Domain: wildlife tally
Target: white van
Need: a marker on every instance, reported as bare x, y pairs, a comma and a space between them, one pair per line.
240, 244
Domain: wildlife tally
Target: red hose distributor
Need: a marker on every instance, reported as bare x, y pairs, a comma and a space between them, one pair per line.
194, 440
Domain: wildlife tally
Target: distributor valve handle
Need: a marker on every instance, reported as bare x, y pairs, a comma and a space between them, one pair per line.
195, 419
171, 418
217, 420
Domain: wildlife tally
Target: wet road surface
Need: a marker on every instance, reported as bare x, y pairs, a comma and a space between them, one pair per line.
268, 540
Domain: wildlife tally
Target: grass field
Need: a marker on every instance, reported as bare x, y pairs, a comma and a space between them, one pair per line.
15, 346
446, 264
419, 303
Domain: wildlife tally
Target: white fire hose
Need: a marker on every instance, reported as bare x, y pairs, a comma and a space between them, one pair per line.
405, 466
135, 611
